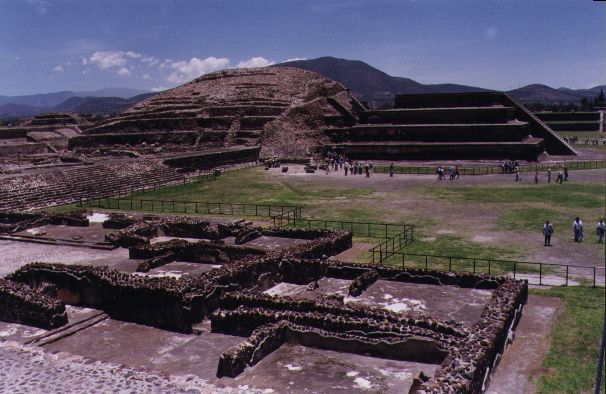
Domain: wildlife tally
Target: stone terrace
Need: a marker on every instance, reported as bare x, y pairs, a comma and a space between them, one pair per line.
449, 126
69, 185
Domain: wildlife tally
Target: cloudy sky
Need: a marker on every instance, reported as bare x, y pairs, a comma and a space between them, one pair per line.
51, 45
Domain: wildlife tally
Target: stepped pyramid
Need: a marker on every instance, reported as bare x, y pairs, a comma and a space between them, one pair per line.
468, 126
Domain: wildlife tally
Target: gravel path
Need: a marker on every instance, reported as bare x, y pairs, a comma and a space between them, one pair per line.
29, 370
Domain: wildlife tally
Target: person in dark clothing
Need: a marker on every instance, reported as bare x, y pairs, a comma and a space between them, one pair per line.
547, 231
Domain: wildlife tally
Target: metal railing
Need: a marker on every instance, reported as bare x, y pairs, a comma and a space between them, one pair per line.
535, 273
357, 229
392, 245
495, 169
177, 206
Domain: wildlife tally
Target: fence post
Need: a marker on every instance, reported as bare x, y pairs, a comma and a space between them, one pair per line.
593, 276
540, 274
488, 267
450, 264
566, 275
425, 262
514, 269
474, 266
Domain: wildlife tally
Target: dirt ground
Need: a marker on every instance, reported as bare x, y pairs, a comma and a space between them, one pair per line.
522, 360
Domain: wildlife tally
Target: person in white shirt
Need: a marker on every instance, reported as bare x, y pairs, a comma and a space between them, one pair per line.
577, 226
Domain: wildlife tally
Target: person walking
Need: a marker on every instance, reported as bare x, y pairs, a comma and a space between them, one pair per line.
565, 173
517, 171
536, 177
456, 171
346, 168
600, 230
547, 231
577, 226
549, 175
560, 177
391, 170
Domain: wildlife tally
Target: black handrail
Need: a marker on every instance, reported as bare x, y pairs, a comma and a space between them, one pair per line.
494, 169
492, 263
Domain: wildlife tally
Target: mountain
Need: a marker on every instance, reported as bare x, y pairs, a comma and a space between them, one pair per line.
12, 111
49, 100
369, 83
378, 88
99, 105
544, 94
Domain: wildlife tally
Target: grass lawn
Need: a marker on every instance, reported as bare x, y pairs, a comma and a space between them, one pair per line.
572, 359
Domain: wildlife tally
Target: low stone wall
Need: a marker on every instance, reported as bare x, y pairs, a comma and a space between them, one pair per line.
215, 159
28, 148
157, 302
363, 282
466, 367
13, 221
21, 304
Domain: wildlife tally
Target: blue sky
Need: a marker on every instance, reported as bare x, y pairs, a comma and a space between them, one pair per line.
51, 45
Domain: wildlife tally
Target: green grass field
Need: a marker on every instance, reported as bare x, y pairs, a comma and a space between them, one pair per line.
570, 365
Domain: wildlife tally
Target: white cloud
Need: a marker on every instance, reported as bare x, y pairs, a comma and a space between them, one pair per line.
125, 72
58, 69
133, 55
188, 70
159, 88
256, 61
84, 61
108, 59
294, 59
146, 76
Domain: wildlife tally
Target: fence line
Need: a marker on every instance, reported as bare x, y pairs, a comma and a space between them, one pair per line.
495, 169
546, 271
394, 244
177, 206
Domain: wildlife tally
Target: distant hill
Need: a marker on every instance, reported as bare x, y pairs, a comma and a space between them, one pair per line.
544, 94
377, 88
49, 100
370, 84
13, 111
99, 105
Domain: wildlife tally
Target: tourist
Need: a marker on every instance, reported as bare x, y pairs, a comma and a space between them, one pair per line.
370, 166
547, 231
517, 171
456, 171
577, 226
367, 170
548, 175
346, 168
391, 170
536, 177
440, 172
560, 177
565, 173
600, 230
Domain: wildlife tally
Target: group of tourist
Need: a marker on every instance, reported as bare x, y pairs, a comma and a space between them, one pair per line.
577, 227
562, 175
335, 162
593, 141
509, 167
451, 171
